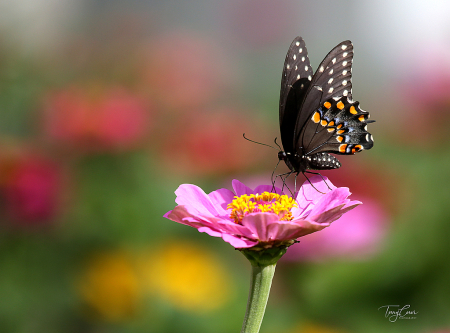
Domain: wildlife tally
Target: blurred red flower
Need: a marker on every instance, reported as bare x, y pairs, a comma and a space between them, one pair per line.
31, 188
211, 143
102, 120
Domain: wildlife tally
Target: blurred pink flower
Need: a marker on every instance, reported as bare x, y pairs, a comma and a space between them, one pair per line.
357, 235
31, 189
211, 142
260, 22
247, 218
109, 119
426, 98
185, 71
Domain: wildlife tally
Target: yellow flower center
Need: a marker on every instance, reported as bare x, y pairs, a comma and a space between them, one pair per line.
265, 202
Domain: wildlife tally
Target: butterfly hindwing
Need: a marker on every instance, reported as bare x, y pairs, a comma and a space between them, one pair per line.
338, 127
295, 81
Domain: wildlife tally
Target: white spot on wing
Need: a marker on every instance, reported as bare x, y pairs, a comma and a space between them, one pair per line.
344, 83
298, 43
303, 58
333, 61
344, 63
330, 90
343, 47
309, 78
318, 88
294, 57
344, 54
330, 80
306, 68
288, 66
331, 72
321, 69
298, 76
300, 50
344, 72
345, 93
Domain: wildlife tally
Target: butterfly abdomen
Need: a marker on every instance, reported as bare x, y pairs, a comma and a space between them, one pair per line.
322, 161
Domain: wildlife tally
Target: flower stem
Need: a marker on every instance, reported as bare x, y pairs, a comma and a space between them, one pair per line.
260, 284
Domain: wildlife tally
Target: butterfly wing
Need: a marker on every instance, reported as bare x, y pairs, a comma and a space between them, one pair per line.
339, 127
295, 81
329, 120
333, 79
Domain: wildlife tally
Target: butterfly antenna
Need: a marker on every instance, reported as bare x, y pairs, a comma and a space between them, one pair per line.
277, 143
258, 142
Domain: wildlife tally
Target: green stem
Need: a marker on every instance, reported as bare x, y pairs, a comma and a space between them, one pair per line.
260, 284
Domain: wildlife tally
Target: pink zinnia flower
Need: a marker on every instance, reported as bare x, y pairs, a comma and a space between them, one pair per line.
247, 218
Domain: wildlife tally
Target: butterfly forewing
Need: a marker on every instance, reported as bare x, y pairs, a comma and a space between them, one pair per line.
334, 75
295, 81
333, 79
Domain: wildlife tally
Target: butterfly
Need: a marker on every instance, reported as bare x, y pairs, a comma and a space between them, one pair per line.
317, 114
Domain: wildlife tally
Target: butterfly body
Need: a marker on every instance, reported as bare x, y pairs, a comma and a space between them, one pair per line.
317, 114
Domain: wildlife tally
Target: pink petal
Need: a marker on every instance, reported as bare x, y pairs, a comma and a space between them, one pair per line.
220, 199
267, 188
240, 188
235, 229
238, 242
332, 199
258, 223
210, 232
183, 215
194, 196
308, 193
285, 230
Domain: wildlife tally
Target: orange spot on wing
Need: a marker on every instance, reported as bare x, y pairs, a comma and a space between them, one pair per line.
330, 130
331, 123
342, 148
340, 132
327, 105
353, 110
339, 126
340, 138
361, 118
340, 105
323, 122
316, 117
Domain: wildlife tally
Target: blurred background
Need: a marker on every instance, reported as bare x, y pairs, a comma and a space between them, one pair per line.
106, 107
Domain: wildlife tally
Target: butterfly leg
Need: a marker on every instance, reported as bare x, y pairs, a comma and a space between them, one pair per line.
317, 173
310, 181
271, 178
284, 181
281, 177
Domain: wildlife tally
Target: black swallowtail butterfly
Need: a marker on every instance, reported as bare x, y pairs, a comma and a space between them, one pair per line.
317, 113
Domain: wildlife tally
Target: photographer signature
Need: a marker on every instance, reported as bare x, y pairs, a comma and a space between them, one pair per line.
394, 312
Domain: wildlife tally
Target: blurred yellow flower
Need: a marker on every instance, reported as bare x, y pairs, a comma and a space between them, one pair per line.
110, 287
188, 276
